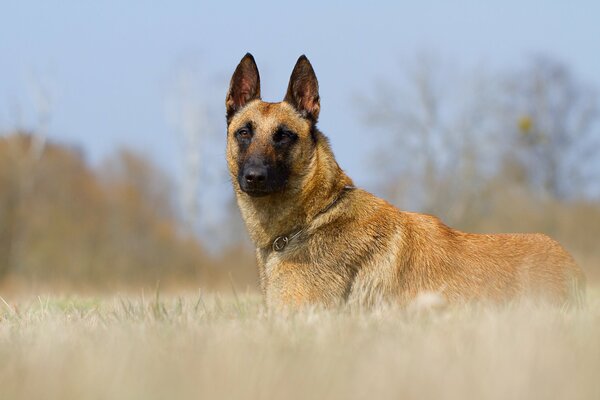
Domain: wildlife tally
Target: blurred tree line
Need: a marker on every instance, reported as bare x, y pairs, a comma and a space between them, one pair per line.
63, 222
501, 152
486, 152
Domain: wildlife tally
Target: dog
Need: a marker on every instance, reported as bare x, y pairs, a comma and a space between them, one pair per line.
321, 241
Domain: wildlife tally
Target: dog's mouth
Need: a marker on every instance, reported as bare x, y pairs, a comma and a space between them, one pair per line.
256, 192
260, 189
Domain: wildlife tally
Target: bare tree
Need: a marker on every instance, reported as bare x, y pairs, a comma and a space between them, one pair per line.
456, 144
552, 117
189, 115
435, 125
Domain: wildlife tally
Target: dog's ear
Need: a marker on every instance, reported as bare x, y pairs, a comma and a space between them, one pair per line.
303, 90
244, 86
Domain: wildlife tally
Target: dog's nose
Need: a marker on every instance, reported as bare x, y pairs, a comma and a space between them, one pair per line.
255, 175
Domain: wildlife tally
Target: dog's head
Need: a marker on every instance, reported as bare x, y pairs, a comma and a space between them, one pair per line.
270, 145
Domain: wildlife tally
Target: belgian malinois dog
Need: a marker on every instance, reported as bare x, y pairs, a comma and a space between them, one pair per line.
322, 241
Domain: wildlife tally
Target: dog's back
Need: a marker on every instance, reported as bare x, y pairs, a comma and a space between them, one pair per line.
367, 252
498, 267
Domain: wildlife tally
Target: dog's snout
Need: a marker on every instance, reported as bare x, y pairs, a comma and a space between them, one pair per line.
254, 178
255, 174
259, 176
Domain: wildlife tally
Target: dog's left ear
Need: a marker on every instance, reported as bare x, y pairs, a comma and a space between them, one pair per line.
303, 90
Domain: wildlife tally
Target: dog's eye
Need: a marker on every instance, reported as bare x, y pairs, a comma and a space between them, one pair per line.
244, 134
283, 136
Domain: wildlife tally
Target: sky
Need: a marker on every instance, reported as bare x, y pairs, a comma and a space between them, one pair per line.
109, 68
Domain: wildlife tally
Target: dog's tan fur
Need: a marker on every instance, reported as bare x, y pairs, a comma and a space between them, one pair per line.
362, 250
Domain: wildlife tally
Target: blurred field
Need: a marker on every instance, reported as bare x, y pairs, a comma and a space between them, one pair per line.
209, 346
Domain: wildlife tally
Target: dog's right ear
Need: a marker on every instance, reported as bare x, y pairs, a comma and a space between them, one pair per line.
244, 86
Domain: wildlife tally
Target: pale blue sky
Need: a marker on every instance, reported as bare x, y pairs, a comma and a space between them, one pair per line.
109, 65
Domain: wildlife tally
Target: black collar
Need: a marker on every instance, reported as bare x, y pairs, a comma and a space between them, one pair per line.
281, 242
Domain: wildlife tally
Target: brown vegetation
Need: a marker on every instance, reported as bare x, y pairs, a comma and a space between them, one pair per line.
63, 222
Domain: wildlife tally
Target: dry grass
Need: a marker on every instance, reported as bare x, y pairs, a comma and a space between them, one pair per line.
217, 347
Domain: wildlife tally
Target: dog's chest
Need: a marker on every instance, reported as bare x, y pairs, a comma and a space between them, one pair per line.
289, 283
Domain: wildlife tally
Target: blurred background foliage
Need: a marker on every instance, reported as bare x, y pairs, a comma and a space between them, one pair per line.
512, 151
66, 224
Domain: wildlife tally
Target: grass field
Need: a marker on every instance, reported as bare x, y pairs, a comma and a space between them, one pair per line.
211, 346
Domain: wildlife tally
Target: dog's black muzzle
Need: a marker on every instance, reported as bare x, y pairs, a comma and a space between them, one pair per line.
257, 178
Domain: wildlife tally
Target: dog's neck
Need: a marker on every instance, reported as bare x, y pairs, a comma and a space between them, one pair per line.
282, 213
